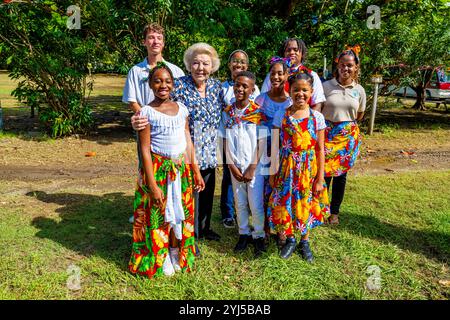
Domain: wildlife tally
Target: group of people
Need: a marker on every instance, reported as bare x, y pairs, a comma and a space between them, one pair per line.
281, 149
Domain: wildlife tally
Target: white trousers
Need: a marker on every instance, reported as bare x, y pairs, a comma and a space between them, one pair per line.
249, 199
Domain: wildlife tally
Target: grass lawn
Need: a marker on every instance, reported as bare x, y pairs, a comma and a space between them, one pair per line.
61, 212
399, 223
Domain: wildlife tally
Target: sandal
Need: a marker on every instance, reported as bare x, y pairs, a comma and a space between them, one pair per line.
333, 219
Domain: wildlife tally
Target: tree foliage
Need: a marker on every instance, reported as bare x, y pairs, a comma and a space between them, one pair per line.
53, 63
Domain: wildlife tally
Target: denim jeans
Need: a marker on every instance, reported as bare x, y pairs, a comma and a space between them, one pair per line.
226, 196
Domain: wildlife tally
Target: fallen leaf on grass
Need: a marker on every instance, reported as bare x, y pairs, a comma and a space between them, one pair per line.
407, 153
445, 282
371, 151
90, 154
390, 170
414, 161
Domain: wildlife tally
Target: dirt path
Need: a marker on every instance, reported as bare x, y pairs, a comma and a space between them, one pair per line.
413, 142
27, 165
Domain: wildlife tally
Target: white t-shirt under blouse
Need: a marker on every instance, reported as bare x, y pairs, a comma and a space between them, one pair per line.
167, 133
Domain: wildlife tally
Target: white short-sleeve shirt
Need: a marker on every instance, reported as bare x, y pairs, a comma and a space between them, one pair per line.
242, 140
317, 96
228, 92
137, 88
320, 120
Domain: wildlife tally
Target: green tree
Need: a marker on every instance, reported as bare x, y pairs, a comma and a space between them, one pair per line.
50, 61
412, 40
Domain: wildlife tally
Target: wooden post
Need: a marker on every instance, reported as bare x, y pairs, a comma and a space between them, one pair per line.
376, 79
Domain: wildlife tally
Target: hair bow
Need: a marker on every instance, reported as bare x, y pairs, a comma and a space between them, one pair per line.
277, 59
355, 50
161, 64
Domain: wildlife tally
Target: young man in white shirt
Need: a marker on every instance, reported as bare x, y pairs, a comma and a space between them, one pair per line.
137, 92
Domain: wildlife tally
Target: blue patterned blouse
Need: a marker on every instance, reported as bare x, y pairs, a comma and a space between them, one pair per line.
204, 116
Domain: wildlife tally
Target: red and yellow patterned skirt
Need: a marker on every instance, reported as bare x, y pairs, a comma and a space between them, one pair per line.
150, 232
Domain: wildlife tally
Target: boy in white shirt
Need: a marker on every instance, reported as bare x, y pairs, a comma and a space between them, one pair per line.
243, 131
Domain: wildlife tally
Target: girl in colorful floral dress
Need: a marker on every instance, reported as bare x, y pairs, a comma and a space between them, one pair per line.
299, 200
163, 229
345, 105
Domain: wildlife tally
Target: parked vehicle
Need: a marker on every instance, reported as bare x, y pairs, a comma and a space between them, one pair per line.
437, 90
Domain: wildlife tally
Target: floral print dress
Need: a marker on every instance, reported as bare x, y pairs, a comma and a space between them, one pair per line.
292, 203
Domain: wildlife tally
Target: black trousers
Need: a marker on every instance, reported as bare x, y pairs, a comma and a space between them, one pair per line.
337, 191
226, 196
204, 202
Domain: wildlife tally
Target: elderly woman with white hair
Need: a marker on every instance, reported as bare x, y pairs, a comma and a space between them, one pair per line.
203, 96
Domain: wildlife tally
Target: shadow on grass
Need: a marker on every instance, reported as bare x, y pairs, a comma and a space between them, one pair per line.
409, 118
93, 225
432, 244
90, 225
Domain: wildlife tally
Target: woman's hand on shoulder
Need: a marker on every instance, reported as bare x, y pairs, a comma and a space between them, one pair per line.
139, 122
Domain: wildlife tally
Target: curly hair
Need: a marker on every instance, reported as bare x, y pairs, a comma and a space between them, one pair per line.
201, 48
301, 46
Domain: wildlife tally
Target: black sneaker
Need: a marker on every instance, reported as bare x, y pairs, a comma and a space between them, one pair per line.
242, 244
288, 249
211, 235
228, 223
260, 246
305, 251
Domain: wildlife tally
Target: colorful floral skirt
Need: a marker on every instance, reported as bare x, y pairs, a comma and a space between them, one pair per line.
150, 232
342, 142
292, 204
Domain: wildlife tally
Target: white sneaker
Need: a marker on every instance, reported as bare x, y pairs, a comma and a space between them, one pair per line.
175, 258
131, 220
168, 269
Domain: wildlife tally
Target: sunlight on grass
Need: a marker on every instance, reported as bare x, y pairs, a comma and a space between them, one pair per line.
398, 223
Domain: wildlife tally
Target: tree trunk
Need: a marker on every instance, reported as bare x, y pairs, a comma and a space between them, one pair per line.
420, 100
425, 78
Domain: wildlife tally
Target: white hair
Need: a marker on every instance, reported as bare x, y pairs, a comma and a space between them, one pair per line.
201, 48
